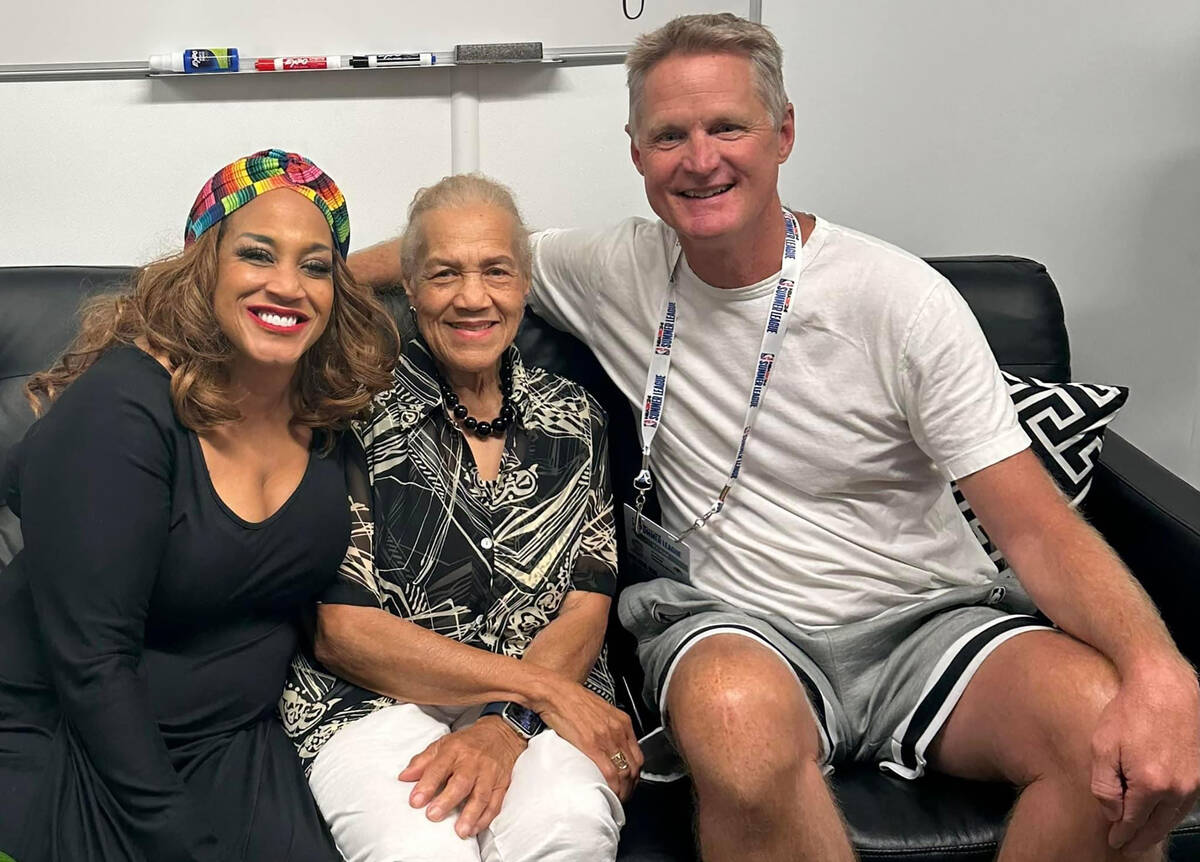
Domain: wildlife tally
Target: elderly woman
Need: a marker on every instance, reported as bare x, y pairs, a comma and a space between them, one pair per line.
182, 502
472, 718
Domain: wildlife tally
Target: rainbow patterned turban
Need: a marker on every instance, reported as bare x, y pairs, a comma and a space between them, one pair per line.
237, 184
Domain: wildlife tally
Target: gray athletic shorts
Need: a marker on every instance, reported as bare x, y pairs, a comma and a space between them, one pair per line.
880, 689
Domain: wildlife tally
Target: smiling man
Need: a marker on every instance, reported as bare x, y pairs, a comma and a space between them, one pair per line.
808, 395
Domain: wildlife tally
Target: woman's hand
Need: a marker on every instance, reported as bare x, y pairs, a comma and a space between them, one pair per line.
597, 728
471, 767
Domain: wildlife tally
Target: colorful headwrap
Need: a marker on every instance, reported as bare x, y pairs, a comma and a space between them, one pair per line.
237, 184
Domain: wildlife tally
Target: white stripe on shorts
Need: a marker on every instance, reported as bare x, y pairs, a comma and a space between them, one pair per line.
944, 687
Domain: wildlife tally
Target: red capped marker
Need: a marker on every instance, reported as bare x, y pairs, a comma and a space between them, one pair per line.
297, 64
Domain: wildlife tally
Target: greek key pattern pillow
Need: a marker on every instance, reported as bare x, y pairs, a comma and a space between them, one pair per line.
1065, 422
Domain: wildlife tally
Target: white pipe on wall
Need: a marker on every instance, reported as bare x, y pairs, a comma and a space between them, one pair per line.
464, 120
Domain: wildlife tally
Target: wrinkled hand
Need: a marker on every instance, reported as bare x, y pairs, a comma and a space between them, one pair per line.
1146, 756
471, 767
598, 729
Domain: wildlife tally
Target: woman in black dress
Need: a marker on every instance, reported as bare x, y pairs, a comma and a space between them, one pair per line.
182, 502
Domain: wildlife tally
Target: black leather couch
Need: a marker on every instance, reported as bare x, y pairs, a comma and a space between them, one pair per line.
1150, 516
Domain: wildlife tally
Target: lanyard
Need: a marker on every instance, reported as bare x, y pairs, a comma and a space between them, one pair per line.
660, 367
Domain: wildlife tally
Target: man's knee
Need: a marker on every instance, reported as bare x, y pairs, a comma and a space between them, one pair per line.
740, 718
1085, 683
1059, 715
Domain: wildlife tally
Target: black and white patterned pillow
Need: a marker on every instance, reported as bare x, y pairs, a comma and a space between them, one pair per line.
1065, 422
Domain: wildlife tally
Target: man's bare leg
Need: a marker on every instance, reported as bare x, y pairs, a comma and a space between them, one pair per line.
744, 726
1027, 717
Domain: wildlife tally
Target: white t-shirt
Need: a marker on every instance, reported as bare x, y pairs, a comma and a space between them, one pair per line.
884, 390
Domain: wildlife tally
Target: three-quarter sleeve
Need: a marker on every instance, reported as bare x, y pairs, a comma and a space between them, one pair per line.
95, 502
596, 565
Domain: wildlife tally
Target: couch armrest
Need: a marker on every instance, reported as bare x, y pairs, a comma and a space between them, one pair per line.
1152, 518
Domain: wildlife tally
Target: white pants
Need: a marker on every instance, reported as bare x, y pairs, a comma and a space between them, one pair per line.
557, 809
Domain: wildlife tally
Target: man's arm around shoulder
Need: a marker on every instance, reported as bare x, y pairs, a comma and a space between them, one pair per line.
378, 266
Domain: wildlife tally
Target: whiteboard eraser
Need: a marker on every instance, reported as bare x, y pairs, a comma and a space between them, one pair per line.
499, 52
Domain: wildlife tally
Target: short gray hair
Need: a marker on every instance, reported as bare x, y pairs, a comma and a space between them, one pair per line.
723, 33
460, 190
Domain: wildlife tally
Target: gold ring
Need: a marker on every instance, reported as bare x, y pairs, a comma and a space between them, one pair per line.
619, 760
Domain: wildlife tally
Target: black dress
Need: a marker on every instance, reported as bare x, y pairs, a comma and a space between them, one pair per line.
145, 634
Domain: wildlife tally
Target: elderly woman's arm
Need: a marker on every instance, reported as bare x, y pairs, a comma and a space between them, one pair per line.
384, 653
571, 643
381, 652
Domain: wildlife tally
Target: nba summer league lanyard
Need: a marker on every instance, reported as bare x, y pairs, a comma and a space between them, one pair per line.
660, 369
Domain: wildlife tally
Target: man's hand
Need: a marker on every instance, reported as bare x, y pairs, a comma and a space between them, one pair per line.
598, 729
471, 767
1146, 755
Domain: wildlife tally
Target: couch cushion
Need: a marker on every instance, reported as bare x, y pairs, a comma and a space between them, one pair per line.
939, 817
1019, 309
889, 819
38, 318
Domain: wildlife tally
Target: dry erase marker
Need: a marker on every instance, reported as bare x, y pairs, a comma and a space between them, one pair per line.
196, 60
383, 61
289, 64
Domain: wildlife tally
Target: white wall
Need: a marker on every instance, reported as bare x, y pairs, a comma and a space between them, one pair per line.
107, 170
1063, 130
135, 29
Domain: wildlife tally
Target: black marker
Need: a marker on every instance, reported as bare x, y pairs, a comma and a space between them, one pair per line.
383, 61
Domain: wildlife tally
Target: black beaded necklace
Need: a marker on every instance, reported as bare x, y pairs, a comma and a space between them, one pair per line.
461, 417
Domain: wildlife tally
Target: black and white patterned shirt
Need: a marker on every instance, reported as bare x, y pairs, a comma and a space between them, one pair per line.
487, 563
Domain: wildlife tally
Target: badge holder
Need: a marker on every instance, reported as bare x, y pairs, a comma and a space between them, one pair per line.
656, 551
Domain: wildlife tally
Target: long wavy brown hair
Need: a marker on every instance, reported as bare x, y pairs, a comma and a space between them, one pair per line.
169, 308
